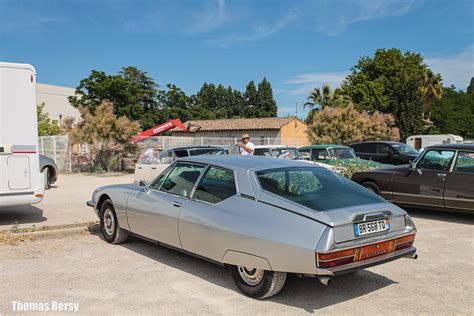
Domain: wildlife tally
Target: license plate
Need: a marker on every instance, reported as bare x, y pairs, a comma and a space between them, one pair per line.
371, 227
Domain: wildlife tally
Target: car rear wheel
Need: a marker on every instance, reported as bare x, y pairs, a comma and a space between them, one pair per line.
257, 283
109, 225
48, 178
371, 187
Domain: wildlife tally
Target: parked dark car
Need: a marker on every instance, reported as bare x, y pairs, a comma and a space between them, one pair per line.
392, 153
442, 177
49, 169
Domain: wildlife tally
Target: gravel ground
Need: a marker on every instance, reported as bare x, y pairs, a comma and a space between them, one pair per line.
139, 277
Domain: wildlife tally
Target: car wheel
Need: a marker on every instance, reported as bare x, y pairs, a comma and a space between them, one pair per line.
257, 283
371, 187
109, 225
49, 178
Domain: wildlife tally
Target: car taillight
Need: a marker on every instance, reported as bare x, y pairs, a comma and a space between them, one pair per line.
339, 258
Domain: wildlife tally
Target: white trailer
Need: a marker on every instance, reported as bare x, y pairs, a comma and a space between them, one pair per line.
421, 141
21, 181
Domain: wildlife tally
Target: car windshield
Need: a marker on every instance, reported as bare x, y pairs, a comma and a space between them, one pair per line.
286, 153
342, 153
405, 149
207, 151
316, 188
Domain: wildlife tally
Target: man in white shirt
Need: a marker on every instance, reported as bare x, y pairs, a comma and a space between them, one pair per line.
247, 147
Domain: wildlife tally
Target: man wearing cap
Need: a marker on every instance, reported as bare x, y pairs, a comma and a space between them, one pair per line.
247, 147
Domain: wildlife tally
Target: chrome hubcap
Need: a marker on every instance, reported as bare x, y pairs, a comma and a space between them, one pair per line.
251, 276
109, 222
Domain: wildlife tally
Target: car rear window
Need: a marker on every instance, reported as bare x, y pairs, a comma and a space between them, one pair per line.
316, 188
216, 185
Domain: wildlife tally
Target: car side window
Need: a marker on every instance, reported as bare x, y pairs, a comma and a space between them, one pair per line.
182, 178
436, 160
371, 148
319, 154
464, 162
305, 153
384, 149
181, 153
166, 157
216, 185
262, 152
155, 185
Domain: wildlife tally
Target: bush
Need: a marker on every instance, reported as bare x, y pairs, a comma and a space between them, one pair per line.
346, 125
106, 135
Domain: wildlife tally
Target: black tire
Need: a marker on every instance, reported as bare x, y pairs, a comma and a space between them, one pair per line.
109, 225
371, 187
270, 284
49, 178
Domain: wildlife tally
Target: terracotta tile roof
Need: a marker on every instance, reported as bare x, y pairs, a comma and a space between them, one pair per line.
237, 124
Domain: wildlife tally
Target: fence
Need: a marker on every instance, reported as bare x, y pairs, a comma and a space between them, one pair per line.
66, 156
57, 148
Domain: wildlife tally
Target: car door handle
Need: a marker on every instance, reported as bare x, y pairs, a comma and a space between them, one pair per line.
154, 168
177, 204
139, 168
442, 175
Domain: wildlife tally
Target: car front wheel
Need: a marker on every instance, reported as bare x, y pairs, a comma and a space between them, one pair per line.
371, 187
109, 225
257, 283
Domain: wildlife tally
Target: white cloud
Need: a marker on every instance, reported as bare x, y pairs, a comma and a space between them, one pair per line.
302, 84
259, 31
206, 18
333, 17
457, 69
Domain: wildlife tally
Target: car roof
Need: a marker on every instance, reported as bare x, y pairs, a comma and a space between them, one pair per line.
452, 146
388, 142
326, 146
196, 147
274, 146
236, 162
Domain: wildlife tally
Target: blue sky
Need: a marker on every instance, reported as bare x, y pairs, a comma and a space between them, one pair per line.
297, 44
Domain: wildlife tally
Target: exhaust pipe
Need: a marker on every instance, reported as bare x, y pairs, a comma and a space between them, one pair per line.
324, 280
412, 256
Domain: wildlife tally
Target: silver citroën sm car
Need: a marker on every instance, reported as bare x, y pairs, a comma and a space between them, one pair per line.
261, 217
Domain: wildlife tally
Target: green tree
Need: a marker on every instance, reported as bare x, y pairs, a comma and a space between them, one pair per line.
106, 135
454, 113
266, 105
390, 82
250, 97
319, 98
132, 92
45, 126
431, 89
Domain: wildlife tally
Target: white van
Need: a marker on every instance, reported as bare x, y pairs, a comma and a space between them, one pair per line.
421, 141
21, 181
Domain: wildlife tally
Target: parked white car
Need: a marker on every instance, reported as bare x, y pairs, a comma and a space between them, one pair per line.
152, 162
287, 152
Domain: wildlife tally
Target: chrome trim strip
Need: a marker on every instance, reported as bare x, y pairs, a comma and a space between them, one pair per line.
419, 195
17, 193
459, 199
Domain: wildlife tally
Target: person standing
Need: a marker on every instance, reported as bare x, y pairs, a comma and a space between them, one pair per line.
247, 147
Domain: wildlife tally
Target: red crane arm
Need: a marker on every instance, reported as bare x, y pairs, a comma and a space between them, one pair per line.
159, 129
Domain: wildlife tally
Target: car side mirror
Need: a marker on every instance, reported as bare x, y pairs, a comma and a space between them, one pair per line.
143, 183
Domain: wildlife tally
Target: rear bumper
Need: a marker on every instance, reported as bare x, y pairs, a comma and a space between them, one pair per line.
25, 197
359, 265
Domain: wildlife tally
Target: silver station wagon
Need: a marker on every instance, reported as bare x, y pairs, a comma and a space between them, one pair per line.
260, 217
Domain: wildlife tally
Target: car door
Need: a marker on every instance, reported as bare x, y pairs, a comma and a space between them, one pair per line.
198, 230
459, 187
154, 211
385, 154
423, 184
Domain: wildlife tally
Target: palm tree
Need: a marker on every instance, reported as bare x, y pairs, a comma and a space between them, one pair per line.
431, 89
319, 99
